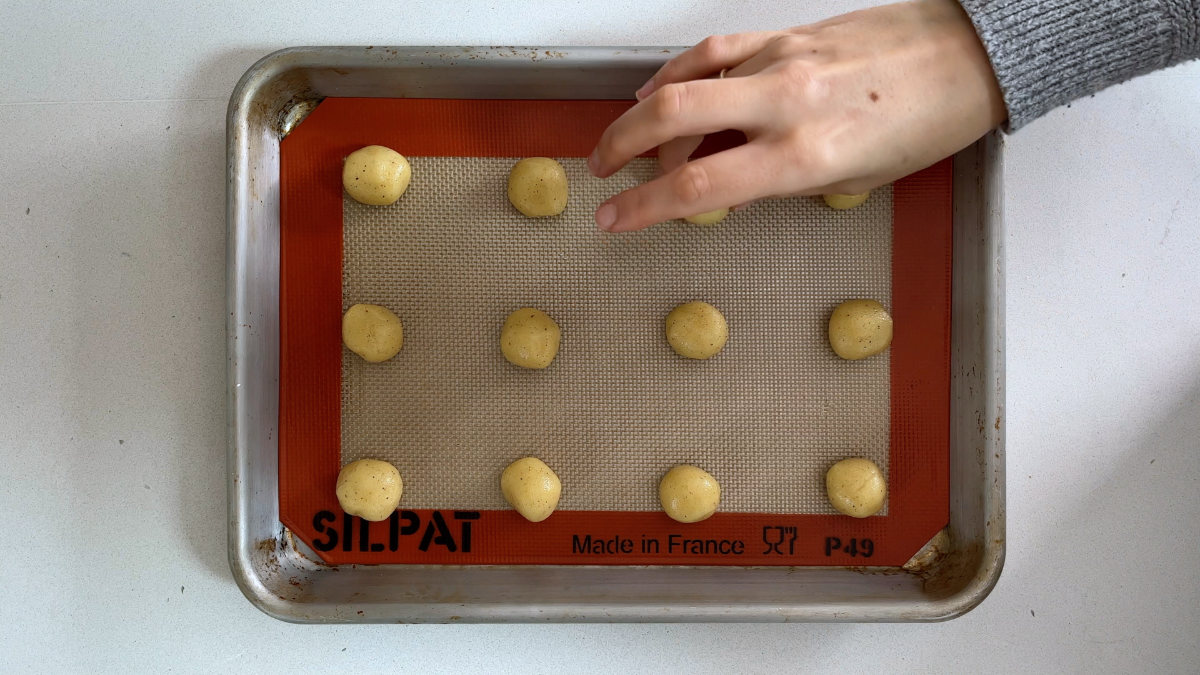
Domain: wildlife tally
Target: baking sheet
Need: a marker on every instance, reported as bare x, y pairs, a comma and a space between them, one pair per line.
273, 563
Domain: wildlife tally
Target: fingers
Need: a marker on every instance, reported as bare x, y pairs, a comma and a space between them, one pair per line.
779, 48
717, 181
683, 109
675, 152
707, 58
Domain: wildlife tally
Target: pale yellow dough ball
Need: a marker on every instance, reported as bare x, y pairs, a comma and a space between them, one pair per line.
696, 330
689, 494
531, 487
376, 175
859, 328
369, 489
708, 217
537, 186
530, 338
843, 202
856, 487
372, 332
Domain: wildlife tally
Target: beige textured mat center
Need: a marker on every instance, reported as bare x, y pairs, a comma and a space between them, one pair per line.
617, 408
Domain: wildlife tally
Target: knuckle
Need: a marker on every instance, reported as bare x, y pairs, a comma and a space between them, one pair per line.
692, 184
822, 161
797, 151
802, 79
668, 102
632, 200
784, 45
638, 202
793, 155
632, 204
796, 72
815, 159
712, 48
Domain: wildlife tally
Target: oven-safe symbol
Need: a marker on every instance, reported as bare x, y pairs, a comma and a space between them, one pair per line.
775, 536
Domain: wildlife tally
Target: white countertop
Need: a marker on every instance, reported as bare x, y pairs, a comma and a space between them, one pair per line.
112, 364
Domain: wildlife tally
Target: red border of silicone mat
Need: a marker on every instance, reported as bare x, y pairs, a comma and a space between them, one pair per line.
311, 353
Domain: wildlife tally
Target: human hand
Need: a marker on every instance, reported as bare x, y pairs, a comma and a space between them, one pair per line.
840, 106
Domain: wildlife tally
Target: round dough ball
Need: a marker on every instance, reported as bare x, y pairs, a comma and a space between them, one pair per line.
537, 186
531, 487
689, 494
376, 175
708, 217
369, 489
859, 328
372, 332
696, 330
529, 338
856, 487
843, 202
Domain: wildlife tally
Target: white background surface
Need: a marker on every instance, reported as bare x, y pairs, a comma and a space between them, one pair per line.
112, 364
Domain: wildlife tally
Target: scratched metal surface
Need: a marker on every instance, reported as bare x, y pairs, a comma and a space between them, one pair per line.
276, 574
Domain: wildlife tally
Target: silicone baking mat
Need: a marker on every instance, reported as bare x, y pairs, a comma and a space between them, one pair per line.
617, 408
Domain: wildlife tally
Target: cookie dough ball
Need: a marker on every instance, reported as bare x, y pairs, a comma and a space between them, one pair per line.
531, 487
708, 217
696, 330
376, 175
529, 338
843, 202
689, 494
859, 328
856, 487
537, 186
369, 489
372, 332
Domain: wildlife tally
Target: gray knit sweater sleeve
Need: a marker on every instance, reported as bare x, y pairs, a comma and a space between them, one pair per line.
1049, 52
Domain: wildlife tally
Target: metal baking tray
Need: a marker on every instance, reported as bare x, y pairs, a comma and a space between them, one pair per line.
280, 576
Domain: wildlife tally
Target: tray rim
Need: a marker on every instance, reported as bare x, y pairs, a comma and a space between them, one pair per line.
268, 101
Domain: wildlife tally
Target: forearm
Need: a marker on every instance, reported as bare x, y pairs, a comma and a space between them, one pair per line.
1049, 52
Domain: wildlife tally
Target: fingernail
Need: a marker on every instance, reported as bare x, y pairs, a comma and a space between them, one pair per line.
644, 90
606, 217
593, 163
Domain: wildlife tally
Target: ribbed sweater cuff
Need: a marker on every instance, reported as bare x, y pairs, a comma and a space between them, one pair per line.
1049, 52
